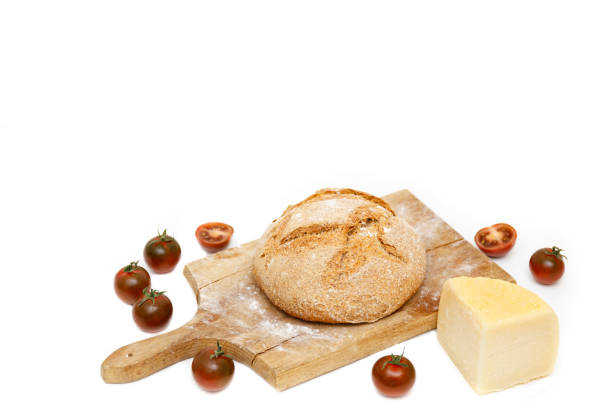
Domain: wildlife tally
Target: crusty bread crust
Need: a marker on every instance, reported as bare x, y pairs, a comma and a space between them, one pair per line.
339, 256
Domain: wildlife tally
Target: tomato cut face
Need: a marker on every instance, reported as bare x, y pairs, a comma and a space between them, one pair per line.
214, 236
496, 240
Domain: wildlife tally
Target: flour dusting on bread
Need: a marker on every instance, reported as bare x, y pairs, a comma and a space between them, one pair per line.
339, 256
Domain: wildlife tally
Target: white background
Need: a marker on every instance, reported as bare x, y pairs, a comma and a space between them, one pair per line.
119, 118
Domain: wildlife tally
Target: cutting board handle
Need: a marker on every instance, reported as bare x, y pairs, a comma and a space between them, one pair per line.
145, 357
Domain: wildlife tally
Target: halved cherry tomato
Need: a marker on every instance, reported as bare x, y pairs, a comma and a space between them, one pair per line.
214, 236
496, 240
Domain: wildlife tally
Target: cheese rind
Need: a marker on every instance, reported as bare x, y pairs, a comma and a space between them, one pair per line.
497, 333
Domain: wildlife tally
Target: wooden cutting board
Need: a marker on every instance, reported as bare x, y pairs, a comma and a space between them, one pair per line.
286, 351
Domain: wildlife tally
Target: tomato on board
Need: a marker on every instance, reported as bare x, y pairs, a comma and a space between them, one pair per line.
162, 253
214, 236
393, 375
130, 282
496, 240
153, 311
547, 265
212, 369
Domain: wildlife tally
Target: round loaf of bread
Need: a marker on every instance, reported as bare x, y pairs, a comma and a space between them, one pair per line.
339, 256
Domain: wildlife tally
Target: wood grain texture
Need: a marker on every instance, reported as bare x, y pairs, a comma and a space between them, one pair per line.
286, 351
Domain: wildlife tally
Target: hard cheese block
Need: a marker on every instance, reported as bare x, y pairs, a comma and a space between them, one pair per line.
497, 333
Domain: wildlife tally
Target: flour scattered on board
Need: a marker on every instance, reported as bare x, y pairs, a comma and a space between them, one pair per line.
251, 310
447, 267
427, 224
430, 228
254, 306
211, 304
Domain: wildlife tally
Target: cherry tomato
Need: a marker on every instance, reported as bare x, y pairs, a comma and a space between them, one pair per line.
131, 281
162, 253
214, 236
496, 240
212, 369
153, 311
547, 265
393, 375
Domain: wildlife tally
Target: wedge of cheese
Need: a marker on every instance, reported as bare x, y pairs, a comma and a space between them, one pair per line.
497, 333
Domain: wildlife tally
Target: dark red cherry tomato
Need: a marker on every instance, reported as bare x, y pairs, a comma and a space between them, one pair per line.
496, 240
214, 236
212, 369
152, 311
162, 253
130, 282
547, 265
393, 375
